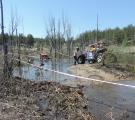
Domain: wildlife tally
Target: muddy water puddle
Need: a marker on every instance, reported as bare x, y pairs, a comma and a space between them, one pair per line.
31, 73
105, 101
109, 101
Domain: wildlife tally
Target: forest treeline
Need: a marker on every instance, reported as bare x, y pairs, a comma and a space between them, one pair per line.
14, 40
118, 36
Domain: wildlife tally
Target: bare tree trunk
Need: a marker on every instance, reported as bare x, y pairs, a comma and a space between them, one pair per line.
59, 38
14, 25
69, 39
51, 32
18, 45
5, 46
58, 34
97, 30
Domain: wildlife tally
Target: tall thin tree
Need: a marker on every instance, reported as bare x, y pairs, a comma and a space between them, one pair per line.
5, 46
97, 29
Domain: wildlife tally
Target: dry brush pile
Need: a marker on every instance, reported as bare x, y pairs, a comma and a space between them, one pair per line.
23, 100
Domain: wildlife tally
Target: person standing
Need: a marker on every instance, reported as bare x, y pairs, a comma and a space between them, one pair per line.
76, 54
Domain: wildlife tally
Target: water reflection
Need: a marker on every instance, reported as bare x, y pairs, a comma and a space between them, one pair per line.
29, 72
100, 99
117, 98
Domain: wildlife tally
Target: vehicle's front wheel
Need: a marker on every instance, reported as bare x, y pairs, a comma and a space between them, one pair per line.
91, 61
81, 59
99, 58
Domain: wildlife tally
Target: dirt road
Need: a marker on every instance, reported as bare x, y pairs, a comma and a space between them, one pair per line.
95, 71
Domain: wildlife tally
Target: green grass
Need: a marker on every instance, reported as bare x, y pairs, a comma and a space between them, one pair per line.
122, 49
125, 56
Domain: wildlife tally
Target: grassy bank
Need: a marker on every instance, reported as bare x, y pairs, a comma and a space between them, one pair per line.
125, 56
123, 49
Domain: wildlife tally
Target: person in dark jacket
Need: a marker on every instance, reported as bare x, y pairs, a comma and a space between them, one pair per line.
76, 54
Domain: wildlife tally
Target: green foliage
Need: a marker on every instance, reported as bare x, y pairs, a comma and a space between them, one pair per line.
125, 42
6, 36
30, 40
119, 36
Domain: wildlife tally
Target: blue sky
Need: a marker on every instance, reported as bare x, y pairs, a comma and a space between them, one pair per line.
34, 14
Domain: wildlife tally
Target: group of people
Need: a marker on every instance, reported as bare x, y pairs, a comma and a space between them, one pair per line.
91, 50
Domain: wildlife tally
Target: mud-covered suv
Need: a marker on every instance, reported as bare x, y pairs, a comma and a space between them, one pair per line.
90, 57
102, 56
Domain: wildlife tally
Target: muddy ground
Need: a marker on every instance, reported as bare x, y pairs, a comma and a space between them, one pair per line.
99, 72
29, 100
106, 101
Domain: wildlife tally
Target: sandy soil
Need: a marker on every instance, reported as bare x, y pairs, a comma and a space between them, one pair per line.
95, 71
